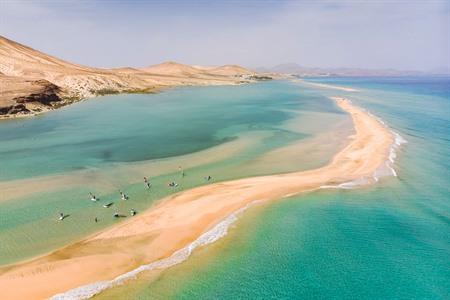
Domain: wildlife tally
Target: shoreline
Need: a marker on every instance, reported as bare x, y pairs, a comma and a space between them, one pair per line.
179, 220
327, 86
34, 82
148, 91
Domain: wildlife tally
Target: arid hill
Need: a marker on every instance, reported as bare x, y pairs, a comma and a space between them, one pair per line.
32, 82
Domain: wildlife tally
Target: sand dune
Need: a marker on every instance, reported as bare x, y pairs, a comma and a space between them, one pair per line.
181, 218
76, 82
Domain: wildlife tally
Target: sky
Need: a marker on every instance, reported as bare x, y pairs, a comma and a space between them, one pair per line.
401, 34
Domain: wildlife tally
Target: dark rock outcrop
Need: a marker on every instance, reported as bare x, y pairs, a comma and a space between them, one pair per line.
23, 97
14, 109
47, 95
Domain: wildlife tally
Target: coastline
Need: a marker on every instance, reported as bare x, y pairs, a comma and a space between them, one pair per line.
327, 86
178, 220
64, 103
34, 82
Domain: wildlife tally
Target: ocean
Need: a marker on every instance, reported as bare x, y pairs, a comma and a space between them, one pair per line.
390, 240
50, 163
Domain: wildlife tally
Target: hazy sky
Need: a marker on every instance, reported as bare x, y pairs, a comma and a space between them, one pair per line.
401, 34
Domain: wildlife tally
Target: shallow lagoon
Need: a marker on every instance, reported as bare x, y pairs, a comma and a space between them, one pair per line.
50, 163
386, 241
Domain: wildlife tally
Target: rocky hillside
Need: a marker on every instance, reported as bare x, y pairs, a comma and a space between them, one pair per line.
33, 82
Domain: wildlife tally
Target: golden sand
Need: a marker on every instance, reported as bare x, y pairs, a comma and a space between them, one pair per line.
180, 219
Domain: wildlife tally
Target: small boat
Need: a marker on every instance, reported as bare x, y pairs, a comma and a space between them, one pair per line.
107, 205
93, 198
116, 215
133, 212
61, 216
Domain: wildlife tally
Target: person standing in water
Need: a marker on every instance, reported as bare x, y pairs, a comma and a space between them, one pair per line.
181, 171
147, 183
123, 196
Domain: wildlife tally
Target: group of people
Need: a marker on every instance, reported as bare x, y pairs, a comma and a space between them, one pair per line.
124, 197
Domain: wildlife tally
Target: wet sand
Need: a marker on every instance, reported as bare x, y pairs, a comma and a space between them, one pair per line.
106, 180
180, 219
327, 86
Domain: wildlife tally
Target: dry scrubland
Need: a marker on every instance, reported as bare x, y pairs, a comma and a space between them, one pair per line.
32, 82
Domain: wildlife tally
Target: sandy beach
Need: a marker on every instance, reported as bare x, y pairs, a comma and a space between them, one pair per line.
178, 220
327, 86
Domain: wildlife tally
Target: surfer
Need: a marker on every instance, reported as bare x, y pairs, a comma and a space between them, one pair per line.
93, 198
172, 184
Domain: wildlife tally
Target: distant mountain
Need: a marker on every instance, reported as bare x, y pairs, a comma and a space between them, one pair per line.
174, 68
295, 69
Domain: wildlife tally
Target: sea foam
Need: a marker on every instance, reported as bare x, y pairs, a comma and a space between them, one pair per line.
386, 169
214, 234
221, 229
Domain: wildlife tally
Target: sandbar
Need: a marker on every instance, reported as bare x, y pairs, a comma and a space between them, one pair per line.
179, 219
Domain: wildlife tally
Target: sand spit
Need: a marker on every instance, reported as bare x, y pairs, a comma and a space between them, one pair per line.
179, 220
327, 86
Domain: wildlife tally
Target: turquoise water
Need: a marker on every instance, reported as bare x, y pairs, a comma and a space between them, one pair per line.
109, 143
387, 241
130, 128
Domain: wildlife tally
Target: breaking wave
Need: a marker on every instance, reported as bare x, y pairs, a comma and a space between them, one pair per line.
386, 169
221, 229
214, 234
